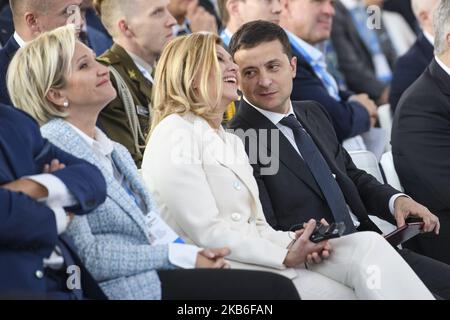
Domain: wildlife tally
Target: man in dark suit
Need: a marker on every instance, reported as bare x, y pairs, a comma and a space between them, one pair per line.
31, 17
356, 57
351, 114
421, 140
30, 228
309, 174
410, 66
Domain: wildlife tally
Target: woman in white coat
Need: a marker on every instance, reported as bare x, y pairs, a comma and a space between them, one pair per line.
204, 186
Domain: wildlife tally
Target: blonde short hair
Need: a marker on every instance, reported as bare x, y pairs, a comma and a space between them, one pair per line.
186, 60
41, 65
110, 11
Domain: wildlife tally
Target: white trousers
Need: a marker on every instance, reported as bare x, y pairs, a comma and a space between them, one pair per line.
361, 266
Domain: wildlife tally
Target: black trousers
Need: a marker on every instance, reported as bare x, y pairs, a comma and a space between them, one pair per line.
213, 284
431, 245
433, 273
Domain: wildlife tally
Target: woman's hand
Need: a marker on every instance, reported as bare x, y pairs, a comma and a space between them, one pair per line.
212, 259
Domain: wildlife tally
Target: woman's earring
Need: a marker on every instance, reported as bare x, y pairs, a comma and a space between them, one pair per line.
66, 104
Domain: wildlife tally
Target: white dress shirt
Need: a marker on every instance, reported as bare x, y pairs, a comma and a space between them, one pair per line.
275, 118
19, 40
180, 255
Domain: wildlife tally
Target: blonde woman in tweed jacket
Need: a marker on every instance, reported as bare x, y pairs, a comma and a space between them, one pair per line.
115, 242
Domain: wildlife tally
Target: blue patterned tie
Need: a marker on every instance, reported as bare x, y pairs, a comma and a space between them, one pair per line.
321, 172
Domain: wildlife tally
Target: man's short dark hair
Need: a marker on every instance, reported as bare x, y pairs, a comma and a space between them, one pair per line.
256, 32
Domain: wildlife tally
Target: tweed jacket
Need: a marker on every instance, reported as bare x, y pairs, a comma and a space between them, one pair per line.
112, 241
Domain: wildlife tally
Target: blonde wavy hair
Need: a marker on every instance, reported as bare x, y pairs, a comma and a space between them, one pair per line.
187, 60
41, 65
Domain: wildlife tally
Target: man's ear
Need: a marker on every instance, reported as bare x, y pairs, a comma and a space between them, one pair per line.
232, 7
124, 29
31, 22
55, 97
293, 63
447, 40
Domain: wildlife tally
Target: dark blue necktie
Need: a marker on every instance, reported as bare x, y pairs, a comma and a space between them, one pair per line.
321, 173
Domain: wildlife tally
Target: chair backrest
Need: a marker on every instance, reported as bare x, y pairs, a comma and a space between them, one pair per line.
366, 160
387, 163
385, 118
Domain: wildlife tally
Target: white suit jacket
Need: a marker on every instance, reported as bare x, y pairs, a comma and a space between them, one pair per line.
204, 186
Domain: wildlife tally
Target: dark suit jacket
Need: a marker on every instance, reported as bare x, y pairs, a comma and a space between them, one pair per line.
98, 41
291, 196
354, 58
6, 24
421, 151
349, 118
409, 68
6, 55
421, 139
28, 231
113, 118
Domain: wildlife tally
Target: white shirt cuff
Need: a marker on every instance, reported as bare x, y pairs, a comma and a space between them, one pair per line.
62, 219
183, 255
58, 194
392, 201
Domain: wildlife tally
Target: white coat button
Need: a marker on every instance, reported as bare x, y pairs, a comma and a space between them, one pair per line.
39, 274
236, 217
237, 186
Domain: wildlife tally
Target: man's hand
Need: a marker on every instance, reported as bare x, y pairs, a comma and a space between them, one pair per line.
406, 207
303, 250
200, 19
30, 188
212, 259
55, 165
370, 106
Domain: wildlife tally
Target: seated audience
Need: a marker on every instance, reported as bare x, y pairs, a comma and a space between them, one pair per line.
301, 169
421, 140
125, 245
351, 114
216, 201
38, 184
366, 55
410, 66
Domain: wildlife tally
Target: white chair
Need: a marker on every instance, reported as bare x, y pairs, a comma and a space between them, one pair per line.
386, 119
366, 160
387, 163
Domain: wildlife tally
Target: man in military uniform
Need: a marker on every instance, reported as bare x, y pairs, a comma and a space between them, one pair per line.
140, 30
